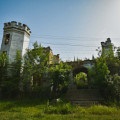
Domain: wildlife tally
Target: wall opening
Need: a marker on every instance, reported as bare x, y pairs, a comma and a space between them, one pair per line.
7, 39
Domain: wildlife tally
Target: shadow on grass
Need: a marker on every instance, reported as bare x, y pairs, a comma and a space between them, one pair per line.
6, 105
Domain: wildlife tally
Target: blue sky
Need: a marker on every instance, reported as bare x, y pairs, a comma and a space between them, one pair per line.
72, 28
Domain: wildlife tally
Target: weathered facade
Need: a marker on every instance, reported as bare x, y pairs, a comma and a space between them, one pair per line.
16, 37
53, 59
107, 47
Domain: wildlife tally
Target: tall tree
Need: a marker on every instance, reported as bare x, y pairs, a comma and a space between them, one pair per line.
99, 72
35, 65
10, 86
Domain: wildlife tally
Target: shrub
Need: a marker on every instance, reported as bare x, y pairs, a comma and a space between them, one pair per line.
113, 87
58, 109
81, 80
59, 76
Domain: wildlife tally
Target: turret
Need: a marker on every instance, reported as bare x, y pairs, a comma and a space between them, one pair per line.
16, 37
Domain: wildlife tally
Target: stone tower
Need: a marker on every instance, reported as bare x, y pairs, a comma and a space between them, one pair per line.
107, 47
15, 37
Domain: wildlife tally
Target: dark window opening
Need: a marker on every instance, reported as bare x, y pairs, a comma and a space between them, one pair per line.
4, 52
7, 38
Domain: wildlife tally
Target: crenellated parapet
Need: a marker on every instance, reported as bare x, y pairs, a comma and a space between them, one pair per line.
107, 48
107, 43
17, 25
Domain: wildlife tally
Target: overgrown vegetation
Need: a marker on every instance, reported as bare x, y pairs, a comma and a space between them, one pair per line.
33, 75
105, 75
38, 110
59, 76
81, 80
12, 77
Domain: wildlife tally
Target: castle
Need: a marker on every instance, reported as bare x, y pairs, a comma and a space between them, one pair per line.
107, 47
16, 37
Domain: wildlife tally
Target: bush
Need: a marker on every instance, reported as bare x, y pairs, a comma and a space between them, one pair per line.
59, 76
113, 87
59, 109
81, 80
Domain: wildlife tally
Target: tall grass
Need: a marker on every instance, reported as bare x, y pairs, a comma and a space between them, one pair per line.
37, 110
64, 108
102, 110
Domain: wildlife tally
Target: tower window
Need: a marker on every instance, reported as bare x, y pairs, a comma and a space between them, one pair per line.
7, 38
5, 52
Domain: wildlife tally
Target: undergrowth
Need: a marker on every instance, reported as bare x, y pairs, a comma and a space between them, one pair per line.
35, 110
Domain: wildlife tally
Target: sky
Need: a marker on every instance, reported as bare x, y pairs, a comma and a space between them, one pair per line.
72, 28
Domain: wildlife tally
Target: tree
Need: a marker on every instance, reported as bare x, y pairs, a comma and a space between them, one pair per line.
105, 75
60, 76
35, 66
99, 73
113, 87
10, 86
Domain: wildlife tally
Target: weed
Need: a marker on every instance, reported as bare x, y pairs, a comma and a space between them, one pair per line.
102, 110
58, 109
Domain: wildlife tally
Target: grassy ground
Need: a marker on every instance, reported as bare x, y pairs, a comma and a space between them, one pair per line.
37, 110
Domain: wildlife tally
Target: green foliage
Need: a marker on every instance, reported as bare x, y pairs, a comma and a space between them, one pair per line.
10, 89
35, 66
4, 106
3, 67
10, 85
102, 110
81, 80
113, 64
118, 52
99, 73
101, 70
105, 75
59, 75
27, 75
113, 87
3, 60
63, 108
108, 53
37, 110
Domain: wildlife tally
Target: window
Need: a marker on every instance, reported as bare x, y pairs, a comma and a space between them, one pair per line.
4, 52
7, 38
